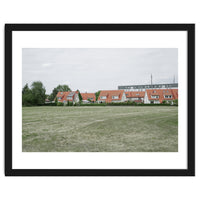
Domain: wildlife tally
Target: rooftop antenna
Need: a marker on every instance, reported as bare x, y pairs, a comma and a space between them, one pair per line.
151, 79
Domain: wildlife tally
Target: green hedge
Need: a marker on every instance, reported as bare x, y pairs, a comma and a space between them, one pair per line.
94, 104
69, 103
135, 104
60, 104
49, 104
124, 104
103, 104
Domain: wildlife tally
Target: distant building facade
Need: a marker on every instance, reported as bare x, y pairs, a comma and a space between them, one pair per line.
148, 94
128, 88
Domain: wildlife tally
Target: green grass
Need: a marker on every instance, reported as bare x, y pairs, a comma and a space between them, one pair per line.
100, 129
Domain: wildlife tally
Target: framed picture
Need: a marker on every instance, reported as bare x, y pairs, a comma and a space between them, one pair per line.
99, 100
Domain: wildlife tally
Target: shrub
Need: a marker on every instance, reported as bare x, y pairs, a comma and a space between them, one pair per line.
50, 104
60, 104
94, 104
175, 102
69, 103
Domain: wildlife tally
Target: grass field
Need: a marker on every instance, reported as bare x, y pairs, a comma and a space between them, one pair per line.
100, 129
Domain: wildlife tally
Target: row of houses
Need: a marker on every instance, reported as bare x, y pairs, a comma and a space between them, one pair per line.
149, 96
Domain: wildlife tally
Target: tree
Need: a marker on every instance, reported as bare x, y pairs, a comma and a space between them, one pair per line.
79, 96
59, 88
25, 89
53, 94
46, 96
38, 92
27, 97
56, 101
97, 94
63, 88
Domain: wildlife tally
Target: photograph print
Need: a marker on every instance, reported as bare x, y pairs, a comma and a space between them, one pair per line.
99, 100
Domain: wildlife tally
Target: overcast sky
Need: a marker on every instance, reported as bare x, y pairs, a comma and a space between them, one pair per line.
93, 69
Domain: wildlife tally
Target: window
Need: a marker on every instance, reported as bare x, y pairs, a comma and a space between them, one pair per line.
115, 97
69, 98
155, 96
137, 94
154, 91
103, 97
59, 98
168, 96
61, 93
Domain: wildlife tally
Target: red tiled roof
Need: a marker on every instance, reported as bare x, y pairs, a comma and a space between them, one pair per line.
135, 94
64, 96
87, 96
61, 94
161, 94
109, 94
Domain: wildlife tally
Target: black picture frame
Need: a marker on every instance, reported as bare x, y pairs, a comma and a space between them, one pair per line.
190, 28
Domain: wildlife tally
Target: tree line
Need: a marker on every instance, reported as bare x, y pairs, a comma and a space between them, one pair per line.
36, 94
